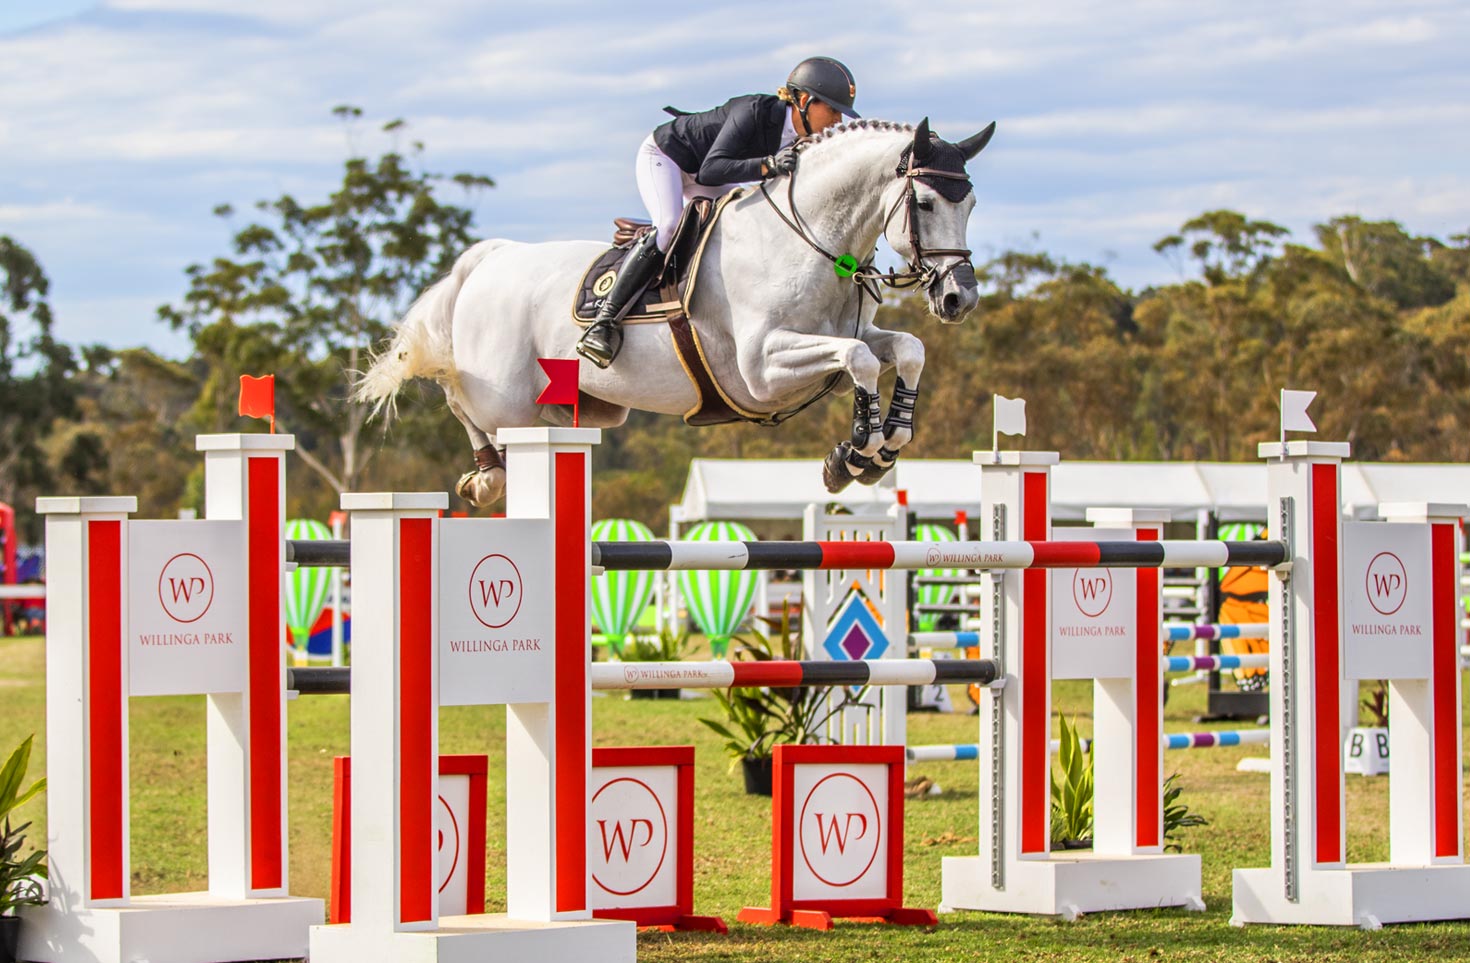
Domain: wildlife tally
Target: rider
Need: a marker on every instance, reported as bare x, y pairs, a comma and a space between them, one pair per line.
709, 154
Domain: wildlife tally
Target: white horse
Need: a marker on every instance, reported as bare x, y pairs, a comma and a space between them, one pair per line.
775, 319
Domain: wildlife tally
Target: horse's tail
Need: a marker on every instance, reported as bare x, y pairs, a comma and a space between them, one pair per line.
422, 345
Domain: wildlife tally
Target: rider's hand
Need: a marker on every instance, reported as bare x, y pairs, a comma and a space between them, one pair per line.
781, 162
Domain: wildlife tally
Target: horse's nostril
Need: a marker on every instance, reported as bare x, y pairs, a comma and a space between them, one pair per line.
951, 303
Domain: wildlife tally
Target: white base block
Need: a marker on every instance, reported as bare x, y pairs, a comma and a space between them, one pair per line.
1365, 894
481, 938
1068, 884
175, 928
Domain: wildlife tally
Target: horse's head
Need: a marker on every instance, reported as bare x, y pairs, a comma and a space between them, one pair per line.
935, 196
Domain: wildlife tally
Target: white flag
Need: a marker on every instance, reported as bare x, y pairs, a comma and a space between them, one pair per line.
1010, 415
1294, 415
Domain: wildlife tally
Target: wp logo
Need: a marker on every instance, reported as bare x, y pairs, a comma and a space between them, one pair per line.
495, 591
1092, 590
840, 830
1387, 583
185, 588
630, 836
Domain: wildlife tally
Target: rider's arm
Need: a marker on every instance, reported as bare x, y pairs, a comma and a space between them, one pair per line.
729, 160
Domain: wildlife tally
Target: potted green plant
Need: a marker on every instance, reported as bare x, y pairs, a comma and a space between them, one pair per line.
758, 720
19, 877
1072, 795
1072, 798
667, 646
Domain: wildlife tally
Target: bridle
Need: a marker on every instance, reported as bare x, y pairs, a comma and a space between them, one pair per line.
920, 271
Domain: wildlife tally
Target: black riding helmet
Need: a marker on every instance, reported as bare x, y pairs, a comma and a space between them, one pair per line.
828, 81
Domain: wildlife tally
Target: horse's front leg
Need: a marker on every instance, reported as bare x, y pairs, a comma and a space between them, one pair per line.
901, 350
787, 363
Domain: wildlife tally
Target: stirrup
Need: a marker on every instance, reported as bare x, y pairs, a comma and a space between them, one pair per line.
596, 351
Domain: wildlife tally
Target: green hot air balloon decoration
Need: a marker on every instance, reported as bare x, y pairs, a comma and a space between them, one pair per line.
306, 588
619, 598
934, 594
719, 601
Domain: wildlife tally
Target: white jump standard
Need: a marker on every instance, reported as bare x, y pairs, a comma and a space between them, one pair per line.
475, 612
1363, 601
169, 608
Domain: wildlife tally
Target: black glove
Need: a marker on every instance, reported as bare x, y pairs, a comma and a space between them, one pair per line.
781, 162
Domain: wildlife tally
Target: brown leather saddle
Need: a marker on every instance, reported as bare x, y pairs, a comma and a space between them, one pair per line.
666, 302
664, 294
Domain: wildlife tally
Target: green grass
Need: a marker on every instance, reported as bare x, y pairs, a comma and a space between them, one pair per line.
732, 833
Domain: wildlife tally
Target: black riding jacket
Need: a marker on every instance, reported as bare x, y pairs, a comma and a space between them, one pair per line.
725, 145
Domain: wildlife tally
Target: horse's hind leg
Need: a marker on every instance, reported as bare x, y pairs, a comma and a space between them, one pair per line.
486, 483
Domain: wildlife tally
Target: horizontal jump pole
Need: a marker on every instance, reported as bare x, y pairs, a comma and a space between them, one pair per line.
1215, 663
723, 675
969, 640
313, 680
320, 553
1213, 631
735, 556
661, 556
1172, 740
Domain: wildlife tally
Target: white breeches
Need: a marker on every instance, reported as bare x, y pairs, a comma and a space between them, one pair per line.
665, 189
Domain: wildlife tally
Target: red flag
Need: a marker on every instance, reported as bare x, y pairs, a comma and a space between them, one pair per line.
258, 398
561, 387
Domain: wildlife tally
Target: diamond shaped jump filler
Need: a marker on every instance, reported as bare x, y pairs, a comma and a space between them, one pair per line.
855, 632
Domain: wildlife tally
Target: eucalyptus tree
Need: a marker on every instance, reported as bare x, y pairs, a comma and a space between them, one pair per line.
310, 285
35, 374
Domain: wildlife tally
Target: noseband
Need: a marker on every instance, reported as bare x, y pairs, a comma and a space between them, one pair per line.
920, 270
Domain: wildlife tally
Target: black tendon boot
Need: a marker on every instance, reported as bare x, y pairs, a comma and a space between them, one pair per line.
601, 342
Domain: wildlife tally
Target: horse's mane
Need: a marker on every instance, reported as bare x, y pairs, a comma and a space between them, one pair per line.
862, 124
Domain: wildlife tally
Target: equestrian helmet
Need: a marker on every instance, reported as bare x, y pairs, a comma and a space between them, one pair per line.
828, 81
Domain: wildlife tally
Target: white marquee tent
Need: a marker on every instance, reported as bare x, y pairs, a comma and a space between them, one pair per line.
752, 489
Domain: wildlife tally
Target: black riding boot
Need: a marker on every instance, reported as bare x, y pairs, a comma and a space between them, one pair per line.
601, 342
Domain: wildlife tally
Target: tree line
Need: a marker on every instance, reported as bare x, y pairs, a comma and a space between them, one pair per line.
1373, 317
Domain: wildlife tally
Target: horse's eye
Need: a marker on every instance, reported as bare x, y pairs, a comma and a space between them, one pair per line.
926, 205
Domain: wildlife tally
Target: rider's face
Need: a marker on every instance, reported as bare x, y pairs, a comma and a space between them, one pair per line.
821, 116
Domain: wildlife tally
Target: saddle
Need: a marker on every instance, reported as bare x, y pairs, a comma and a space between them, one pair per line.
664, 294
667, 299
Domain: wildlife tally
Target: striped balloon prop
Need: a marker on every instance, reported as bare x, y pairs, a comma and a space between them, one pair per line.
619, 598
934, 594
306, 588
719, 601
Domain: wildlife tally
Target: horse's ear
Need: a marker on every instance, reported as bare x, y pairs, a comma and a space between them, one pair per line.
923, 147
974, 145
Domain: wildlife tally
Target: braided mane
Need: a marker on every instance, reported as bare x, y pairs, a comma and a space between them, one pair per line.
850, 126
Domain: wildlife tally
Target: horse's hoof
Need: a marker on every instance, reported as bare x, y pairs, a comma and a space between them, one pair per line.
875, 470
835, 476
481, 488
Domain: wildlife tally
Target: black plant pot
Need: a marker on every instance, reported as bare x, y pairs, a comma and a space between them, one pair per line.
757, 775
9, 938
654, 693
1062, 844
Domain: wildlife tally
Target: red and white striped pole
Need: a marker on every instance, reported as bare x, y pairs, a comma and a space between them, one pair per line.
86, 701
1015, 714
245, 480
1426, 787
549, 745
1128, 711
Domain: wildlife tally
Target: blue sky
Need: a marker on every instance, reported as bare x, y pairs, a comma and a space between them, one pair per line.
123, 123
